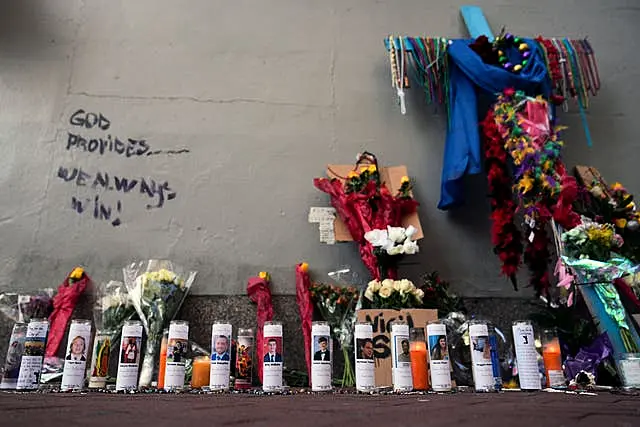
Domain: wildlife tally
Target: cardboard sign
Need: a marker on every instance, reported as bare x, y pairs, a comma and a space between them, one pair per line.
391, 177
381, 322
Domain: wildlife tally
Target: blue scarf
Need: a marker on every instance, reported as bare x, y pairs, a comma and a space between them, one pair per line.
462, 153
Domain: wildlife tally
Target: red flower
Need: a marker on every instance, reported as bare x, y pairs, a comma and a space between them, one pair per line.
509, 92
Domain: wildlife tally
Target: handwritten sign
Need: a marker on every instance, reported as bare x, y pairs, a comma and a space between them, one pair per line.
155, 192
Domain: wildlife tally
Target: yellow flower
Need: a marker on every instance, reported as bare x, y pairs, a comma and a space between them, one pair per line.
631, 206
304, 267
353, 174
77, 273
548, 164
372, 169
404, 180
526, 184
621, 223
617, 187
264, 275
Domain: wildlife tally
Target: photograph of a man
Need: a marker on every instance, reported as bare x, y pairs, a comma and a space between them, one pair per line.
221, 346
365, 348
322, 353
403, 355
272, 354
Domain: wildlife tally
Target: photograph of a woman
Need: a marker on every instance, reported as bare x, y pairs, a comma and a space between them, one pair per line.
439, 349
77, 349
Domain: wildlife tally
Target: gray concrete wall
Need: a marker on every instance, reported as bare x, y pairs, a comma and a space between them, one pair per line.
262, 94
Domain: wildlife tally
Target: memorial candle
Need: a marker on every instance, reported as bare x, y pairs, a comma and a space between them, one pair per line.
418, 355
163, 359
552, 359
200, 373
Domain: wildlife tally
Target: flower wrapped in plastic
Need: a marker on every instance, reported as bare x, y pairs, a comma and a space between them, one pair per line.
22, 307
157, 289
112, 308
337, 306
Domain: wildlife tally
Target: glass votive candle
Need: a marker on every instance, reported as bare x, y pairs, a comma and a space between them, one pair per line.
200, 375
418, 355
629, 367
552, 358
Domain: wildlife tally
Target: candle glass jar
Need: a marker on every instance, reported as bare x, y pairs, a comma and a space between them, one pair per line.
163, 358
629, 367
418, 354
200, 372
552, 358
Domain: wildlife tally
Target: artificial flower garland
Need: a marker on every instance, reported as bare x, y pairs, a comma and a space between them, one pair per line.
543, 188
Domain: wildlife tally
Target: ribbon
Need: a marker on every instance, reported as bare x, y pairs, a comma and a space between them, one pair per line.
64, 302
259, 292
305, 308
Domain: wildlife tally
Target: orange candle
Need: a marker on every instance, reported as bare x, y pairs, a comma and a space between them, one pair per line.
163, 359
419, 370
552, 359
200, 376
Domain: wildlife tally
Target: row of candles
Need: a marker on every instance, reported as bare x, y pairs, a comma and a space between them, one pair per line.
419, 361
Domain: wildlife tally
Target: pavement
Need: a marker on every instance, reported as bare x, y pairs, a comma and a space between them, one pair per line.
462, 409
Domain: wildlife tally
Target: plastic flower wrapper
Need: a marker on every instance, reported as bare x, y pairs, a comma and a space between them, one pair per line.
337, 306
64, 302
157, 289
459, 350
22, 307
601, 275
112, 308
194, 350
259, 291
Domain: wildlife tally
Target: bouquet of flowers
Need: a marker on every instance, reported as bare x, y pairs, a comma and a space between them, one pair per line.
157, 289
112, 308
591, 240
21, 307
393, 294
390, 244
437, 295
337, 305
365, 204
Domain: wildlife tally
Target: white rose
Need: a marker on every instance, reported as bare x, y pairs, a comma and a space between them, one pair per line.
395, 250
396, 234
406, 286
396, 285
410, 247
377, 237
387, 283
385, 291
419, 294
410, 232
374, 285
368, 294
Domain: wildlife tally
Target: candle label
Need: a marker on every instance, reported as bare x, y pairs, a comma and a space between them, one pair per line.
439, 357
526, 356
177, 347
220, 356
556, 378
401, 372
272, 358
33, 355
322, 350
14, 355
244, 362
481, 365
129, 359
365, 365
75, 361
100, 360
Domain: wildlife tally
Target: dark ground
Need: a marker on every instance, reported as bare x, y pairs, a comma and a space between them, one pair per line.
467, 409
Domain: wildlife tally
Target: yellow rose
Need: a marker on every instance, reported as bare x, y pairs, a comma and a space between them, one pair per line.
77, 273
264, 275
406, 286
405, 179
304, 267
372, 169
385, 291
621, 223
396, 285
353, 174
